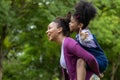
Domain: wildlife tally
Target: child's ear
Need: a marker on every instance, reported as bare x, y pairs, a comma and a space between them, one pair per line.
80, 25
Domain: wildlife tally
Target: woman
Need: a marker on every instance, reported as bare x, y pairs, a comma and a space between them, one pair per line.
71, 51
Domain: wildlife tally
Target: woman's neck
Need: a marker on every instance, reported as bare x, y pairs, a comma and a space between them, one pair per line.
60, 39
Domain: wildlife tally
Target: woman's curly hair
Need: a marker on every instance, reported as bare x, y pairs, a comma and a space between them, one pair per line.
64, 23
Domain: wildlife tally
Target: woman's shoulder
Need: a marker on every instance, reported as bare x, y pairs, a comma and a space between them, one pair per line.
69, 42
69, 39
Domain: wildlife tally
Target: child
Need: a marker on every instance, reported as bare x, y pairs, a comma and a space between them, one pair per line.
84, 13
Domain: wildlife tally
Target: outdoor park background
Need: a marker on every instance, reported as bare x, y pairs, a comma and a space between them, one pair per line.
26, 53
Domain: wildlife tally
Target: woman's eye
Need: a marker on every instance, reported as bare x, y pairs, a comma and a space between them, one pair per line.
49, 28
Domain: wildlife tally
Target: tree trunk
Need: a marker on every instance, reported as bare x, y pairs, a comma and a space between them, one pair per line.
60, 74
114, 68
3, 35
0, 59
0, 64
113, 71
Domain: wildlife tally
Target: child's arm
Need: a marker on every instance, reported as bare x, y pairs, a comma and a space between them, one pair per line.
81, 69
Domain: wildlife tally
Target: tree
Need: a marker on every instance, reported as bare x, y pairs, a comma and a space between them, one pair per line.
24, 24
106, 27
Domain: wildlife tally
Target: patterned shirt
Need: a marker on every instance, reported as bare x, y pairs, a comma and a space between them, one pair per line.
86, 38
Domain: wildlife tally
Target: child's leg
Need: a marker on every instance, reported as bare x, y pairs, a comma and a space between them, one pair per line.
81, 69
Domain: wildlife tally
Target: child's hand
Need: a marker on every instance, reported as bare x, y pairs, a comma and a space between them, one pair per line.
101, 75
94, 77
83, 35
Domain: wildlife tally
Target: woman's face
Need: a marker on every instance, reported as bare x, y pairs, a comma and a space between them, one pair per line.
52, 31
73, 25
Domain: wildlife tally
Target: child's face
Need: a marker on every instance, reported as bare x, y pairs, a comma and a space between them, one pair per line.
73, 25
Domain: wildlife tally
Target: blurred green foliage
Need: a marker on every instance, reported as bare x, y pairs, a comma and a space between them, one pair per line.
27, 53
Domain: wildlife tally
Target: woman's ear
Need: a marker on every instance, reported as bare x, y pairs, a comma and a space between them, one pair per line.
60, 29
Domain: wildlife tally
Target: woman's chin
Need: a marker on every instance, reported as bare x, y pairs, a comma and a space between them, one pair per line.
71, 30
50, 39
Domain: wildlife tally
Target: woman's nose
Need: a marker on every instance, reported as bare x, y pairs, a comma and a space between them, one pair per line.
47, 31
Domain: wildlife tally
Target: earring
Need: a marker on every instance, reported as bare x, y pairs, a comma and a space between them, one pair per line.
80, 30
